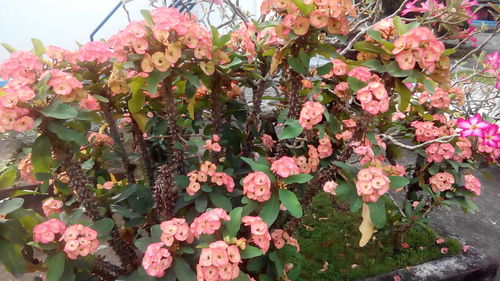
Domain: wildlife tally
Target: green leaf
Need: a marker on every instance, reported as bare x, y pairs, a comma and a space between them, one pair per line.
147, 16
41, 157
241, 277
297, 65
300, 178
324, 69
201, 203
305, 58
233, 226
271, 210
377, 213
103, 227
401, 27
398, 182
183, 271
143, 243
448, 52
365, 46
394, 69
55, 265
304, 8
154, 78
220, 201
251, 252
355, 84
289, 199
12, 258
38, 47
355, 204
193, 79
293, 130
136, 101
256, 166
429, 86
67, 134
375, 65
9, 205
349, 170
59, 110
8, 47
8, 178
236, 61
405, 95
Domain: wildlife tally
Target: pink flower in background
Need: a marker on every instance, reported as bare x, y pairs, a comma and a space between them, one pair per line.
474, 126
89, 103
52, 206
492, 62
490, 136
444, 251
329, 187
268, 141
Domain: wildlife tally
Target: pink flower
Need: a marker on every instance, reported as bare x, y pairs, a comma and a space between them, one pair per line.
61, 82
52, 206
490, 136
257, 186
441, 181
97, 51
208, 222
89, 103
218, 262
259, 230
175, 229
213, 144
156, 260
268, 141
25, 123
280, 238
311, 114
473, 184
80, 241
330, 187
46, 232
444, 251
474, 126
372, 183
285, 167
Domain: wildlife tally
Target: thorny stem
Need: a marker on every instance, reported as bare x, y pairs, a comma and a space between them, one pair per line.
147, 162
177, 161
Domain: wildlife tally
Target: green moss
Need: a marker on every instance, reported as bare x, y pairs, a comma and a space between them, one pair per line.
331, 235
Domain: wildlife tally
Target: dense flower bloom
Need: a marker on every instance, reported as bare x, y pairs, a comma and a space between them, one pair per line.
219, 261
46, 232
208, 222
311, 114
257, 186
442, 181
97, 51
285, 167
21, 66
175, 229
372, 183
472, 184
438, 151
61, 82
259, 230
374, 98
52, 206
156, 260
80, 241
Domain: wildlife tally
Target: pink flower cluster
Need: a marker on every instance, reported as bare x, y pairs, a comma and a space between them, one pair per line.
100, 139
374, 98
465, 147
330, 187
311, 114
372, 183
476, 126
52, 206
325, 147
365, 151
492, 65
213, 144
285, 167
441, 181
305, 165
440, 98
259, 230
426, 130
156, 259
13, 117
491, 153
218, 262
339, 68
97, 51
438, 151
208, 169
257, 186
80, 241
241, 40
208, 222
175, 229
21, 66
46, 232
418, 45
472, 184
62, 83
282, 238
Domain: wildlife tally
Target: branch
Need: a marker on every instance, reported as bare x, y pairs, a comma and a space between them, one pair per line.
476, 49
444, 139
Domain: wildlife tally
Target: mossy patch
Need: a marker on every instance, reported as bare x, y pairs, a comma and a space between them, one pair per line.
329, 240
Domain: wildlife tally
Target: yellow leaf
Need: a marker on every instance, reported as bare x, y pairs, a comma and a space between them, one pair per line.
366, 227
208, 68
275, 62
141, 120
190, 107
103, 127
113, 179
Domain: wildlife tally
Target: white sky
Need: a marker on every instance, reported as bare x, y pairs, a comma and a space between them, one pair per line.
62, 22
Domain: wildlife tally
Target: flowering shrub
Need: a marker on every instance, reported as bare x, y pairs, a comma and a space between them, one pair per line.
147, 143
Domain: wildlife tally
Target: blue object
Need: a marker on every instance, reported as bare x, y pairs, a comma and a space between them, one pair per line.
488, 23
3, 83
